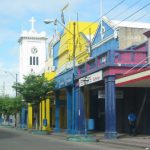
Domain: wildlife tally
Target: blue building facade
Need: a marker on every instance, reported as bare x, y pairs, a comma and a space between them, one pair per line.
91, 91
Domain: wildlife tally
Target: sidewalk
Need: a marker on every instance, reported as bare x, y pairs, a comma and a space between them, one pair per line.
139, 141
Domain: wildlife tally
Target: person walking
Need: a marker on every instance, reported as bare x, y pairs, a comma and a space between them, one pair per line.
132, 121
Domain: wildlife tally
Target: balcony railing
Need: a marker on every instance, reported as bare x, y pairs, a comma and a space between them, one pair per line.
114, 58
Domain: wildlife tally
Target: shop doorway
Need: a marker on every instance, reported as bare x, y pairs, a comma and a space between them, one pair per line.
97, 110
135, 99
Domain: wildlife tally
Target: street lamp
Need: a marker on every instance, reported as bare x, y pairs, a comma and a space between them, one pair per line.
15, 77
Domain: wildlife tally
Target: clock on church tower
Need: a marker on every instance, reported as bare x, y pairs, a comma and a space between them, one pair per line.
34, 50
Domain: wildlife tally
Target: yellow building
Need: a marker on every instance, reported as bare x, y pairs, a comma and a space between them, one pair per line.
83, 32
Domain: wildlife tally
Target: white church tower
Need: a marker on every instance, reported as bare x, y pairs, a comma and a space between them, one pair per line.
32, 51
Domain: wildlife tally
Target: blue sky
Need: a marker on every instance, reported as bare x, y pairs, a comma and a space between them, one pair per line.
15, 15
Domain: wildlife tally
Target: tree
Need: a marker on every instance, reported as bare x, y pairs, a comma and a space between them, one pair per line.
10, 106
34, 88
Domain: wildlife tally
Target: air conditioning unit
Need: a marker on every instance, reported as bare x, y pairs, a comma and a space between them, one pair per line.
53, 68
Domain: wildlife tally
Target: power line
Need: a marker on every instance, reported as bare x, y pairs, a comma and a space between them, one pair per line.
105, 14
142, 16
133, 5
129, 16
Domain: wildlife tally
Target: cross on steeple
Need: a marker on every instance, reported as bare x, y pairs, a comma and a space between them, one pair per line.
32, 20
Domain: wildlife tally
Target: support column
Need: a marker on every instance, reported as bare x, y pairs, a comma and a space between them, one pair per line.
69, 110
77, 112
82, 128
57, 114
48, 114
110, 108
43, 114
73, 110
30, 116
23, 117
40, 115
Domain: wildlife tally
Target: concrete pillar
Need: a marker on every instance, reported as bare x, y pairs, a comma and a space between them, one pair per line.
40, 116
23, 113
74, 110
43, 114
69, 110
57, 113
48, 114
30, 116
110, 108
82, 126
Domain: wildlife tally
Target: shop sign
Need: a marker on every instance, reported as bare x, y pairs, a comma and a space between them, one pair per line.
119, 94
64, 80
95, 77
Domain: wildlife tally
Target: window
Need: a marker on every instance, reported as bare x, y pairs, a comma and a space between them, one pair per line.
30, 60
37, 61
33, 60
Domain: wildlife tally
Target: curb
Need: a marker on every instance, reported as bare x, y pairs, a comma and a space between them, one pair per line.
82, 138
39, 132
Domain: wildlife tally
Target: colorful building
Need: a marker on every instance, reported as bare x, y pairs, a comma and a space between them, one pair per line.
87, 96
74, 43
99, 98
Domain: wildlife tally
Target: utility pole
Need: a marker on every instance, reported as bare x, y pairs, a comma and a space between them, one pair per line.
90, 45
16, 84
74, 47
73, 102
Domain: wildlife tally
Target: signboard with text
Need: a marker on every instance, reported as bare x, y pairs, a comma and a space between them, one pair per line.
91, 78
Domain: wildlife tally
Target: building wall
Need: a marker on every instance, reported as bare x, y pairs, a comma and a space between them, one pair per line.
130, 36
108, 42
63, 50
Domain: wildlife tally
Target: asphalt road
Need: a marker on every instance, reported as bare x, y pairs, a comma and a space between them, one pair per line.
12, 139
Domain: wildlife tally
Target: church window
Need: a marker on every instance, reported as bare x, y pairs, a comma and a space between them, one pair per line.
30, 60
37, 60
33, 60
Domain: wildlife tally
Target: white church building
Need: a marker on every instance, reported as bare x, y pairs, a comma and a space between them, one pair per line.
32, 51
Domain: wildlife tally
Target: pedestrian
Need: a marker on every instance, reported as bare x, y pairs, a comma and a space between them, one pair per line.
132, 121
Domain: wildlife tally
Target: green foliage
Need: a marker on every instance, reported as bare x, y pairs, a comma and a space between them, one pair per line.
10, 105
34, 88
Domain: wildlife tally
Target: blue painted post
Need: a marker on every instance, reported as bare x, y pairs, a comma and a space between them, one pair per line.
22, 117
77, 109
73, 110
57, 115
82, 116
110, 108
69, 109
